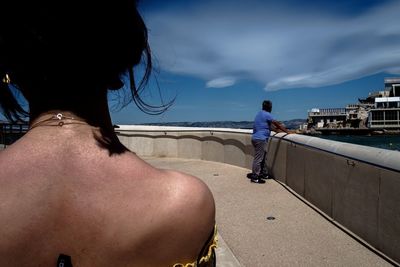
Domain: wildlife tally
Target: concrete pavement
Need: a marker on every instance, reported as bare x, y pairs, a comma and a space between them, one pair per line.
298, 236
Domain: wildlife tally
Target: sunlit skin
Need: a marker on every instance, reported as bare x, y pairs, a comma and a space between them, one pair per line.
69, 186
61, 192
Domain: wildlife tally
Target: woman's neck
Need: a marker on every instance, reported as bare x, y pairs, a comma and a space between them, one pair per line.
63, 117
91, 109
90, 115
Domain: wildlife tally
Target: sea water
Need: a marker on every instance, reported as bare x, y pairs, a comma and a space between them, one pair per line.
391, 142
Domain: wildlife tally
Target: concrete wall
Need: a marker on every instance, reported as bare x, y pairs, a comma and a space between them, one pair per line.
357, 186
221, 145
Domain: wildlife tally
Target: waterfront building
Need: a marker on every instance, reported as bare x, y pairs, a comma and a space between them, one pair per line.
327, 117
386, 111
379, 111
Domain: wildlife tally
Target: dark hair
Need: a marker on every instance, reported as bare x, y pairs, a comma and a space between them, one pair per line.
267, 105
62, 48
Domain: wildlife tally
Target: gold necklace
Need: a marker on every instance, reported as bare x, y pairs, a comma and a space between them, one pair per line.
60, 119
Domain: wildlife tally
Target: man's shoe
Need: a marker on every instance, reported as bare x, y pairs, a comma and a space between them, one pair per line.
257, 181
264, 176
252, 175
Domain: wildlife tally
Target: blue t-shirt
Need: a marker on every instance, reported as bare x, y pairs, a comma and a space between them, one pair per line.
262, 125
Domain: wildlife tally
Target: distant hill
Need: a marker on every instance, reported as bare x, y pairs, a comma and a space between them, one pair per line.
294, 124
291, 124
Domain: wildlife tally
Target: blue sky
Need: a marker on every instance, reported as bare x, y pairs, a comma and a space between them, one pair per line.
222, 58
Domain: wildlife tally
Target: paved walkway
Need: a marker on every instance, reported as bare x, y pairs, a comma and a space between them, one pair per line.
297, 237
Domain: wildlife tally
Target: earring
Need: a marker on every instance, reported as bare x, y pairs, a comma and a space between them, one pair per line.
6, 79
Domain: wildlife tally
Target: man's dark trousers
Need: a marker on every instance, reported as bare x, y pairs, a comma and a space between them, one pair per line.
259, 156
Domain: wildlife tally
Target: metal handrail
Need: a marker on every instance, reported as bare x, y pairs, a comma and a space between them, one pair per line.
337, 153
10, 132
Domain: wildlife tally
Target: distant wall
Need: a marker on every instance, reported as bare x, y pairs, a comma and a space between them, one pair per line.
357, 186
229, 146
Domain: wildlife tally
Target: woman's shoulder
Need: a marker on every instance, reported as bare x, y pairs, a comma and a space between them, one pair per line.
194, 197
180, 191
185, 218
189, 201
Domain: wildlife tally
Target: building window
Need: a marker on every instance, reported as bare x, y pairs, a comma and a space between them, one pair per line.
391, 115
377, 115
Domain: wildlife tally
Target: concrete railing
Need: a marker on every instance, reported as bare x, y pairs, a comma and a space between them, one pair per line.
229, 146
356, 186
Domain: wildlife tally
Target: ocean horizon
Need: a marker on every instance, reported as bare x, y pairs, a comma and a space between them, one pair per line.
290, 124
391, 142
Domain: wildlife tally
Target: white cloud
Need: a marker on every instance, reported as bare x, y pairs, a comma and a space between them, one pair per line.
280, 47
221, 82
395, 71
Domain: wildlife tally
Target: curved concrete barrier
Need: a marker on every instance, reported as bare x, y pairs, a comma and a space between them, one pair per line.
221, 145
356, 186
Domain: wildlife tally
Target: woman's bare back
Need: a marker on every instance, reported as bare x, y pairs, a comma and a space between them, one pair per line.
61, 193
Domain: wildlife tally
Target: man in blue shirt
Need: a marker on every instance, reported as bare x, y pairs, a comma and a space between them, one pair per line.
261, 132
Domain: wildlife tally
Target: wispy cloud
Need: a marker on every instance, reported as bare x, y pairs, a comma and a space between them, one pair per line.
221, 82
282, 47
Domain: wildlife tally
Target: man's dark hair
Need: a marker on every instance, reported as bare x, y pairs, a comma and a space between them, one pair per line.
267, 105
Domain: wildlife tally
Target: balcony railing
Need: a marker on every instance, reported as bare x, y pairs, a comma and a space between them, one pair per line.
10, 132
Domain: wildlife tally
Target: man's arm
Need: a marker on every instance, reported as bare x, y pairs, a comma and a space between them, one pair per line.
279, 126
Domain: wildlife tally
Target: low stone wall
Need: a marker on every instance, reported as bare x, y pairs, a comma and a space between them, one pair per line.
356, 186
221, 145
